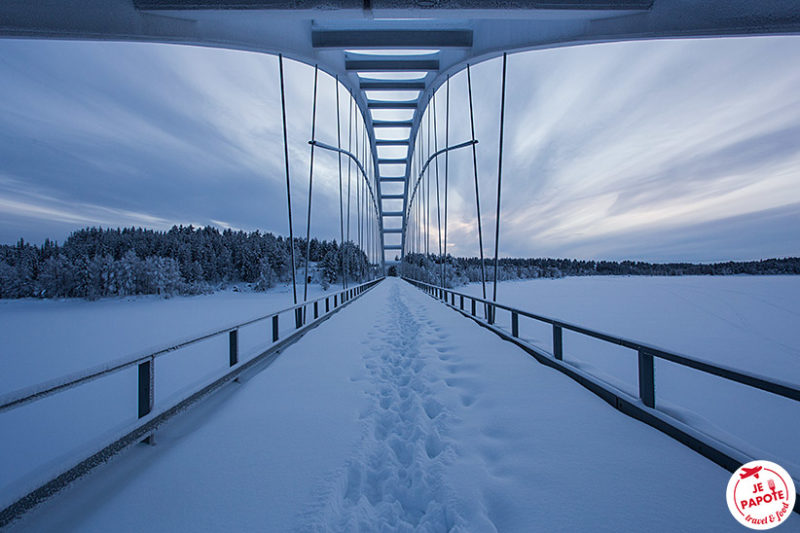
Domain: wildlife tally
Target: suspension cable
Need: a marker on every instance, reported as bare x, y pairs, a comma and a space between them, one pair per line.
438, 203
346, 251
499, 177
358, 199
341, 198
428, 195
419, 180
475, 173
310, 183
446, 171
288, 181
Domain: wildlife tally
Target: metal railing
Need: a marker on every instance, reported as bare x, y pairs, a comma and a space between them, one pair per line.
646, 352
304, 316
644, 409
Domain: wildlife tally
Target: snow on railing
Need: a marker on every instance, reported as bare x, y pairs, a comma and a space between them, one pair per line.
305, 314
645, 351
644, 410
41, 390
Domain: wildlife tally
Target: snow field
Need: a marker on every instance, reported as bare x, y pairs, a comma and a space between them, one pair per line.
43, 340
398, 414
744, 322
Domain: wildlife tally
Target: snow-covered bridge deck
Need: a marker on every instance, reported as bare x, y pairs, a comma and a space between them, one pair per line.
398, 414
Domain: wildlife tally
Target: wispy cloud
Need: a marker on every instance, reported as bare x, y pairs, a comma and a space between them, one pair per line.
645, 149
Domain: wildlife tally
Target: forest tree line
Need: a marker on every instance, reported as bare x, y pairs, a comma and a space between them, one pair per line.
95, 262
462, 270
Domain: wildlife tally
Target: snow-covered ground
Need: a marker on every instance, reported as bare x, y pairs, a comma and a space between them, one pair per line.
746, 322
400, 415
46, 339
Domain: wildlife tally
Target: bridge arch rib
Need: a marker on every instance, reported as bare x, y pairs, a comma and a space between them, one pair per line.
341, 37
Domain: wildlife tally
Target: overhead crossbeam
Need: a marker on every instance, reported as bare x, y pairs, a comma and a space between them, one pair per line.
391, 39
392, 123
358, 5
389, 104
391, 63
392, 142
392, 85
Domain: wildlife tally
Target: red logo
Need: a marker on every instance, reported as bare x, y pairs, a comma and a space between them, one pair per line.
761, 495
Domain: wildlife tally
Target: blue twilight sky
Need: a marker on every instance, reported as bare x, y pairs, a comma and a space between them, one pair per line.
663, 150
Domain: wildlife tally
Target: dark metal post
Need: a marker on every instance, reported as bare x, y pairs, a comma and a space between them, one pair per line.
473, 307
514, 324
233, 347
327, 304
275, 328
146, 389
335, 300
558, 343
461, 297
647, 386
316, 310
298, 317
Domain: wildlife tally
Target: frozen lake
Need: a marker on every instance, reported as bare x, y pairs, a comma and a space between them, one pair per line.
48, 339
749, 323
746, 322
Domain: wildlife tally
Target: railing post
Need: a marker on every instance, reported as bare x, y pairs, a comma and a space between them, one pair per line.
490, 313
275, 328
335, 300
233, 347
558, 343
473, 306
146, 386
298, 317
514, 324
327, 304
647, 385
316, 310
461, 297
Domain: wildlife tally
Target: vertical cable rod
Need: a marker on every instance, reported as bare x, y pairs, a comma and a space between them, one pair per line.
288, 181
475, 173
446, 173
438, 202
428, 194
345, 250
341, 197
310, 184
499, 177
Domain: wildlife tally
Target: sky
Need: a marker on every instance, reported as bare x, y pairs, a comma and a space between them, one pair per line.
674, 150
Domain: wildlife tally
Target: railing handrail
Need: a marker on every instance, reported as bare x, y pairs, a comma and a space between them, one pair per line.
40, 390
771, 385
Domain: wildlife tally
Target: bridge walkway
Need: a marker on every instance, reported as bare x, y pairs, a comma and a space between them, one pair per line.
399, 414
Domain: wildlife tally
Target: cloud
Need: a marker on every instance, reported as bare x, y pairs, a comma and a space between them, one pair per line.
632, 148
